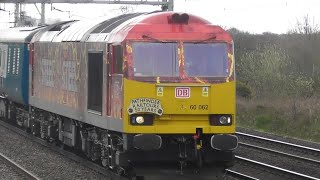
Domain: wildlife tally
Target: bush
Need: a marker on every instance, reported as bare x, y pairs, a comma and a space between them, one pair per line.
243, 90
264, 71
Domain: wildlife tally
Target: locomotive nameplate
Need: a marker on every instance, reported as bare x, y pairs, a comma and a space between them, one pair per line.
146, 105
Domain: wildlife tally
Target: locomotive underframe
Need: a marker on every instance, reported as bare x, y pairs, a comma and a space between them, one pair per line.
116, 150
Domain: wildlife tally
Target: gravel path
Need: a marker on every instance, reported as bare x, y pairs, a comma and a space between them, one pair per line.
40, 160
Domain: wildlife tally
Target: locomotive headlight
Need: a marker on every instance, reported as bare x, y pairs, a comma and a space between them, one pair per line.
223, 120
229, 120
220, 119
140, 119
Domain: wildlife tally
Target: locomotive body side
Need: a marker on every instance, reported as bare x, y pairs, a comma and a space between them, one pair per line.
59, 80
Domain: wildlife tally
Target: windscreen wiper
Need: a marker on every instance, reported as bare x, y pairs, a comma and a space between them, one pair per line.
205, 40
152, 38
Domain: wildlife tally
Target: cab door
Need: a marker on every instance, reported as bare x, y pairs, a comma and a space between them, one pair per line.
95, 82
115, 100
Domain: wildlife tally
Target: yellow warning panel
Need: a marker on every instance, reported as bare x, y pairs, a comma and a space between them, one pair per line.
205, 91
159, 91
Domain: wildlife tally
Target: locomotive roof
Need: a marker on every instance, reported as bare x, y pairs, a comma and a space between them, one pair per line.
87, 30
111, 30
18, 34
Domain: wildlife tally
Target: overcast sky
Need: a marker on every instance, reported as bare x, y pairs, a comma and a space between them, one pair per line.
277, 16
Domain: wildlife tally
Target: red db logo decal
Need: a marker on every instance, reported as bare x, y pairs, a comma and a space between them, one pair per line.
182, 92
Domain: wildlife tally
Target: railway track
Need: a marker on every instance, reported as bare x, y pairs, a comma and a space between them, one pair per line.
109, 175
279, 172
70, 155
300, 152
288, 158
281, 153
20, 170
229, 172
239, 175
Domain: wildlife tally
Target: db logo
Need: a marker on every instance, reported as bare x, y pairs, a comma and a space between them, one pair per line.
183, 92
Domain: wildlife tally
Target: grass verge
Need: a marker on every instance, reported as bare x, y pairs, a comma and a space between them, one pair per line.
297, 118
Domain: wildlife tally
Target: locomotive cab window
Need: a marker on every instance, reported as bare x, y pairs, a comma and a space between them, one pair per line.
95, 72
206, 60
155, 59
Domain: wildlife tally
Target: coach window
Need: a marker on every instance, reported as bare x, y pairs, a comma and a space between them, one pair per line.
18, 61
3, 57
9, 61
117, 59
95, 79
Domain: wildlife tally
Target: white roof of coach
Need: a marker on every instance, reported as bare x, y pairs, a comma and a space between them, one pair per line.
87, 30
97, 37
17, 34
77, 30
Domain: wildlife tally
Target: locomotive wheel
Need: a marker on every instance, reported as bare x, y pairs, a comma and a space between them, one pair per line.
104, 162
62, 146
120, 171
26, 129
137, 178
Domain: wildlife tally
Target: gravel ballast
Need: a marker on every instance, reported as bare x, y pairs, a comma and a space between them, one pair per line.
42, 161
7, 172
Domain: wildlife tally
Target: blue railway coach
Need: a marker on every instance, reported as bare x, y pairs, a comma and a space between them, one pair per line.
14, 63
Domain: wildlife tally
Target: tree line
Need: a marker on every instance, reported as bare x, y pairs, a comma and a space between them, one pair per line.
278, 65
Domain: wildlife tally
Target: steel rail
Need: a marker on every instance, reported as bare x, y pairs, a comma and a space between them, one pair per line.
277, 168
239, 175
280, 142
279, 152
17, 167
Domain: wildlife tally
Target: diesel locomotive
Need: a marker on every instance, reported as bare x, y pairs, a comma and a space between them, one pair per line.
137, 89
